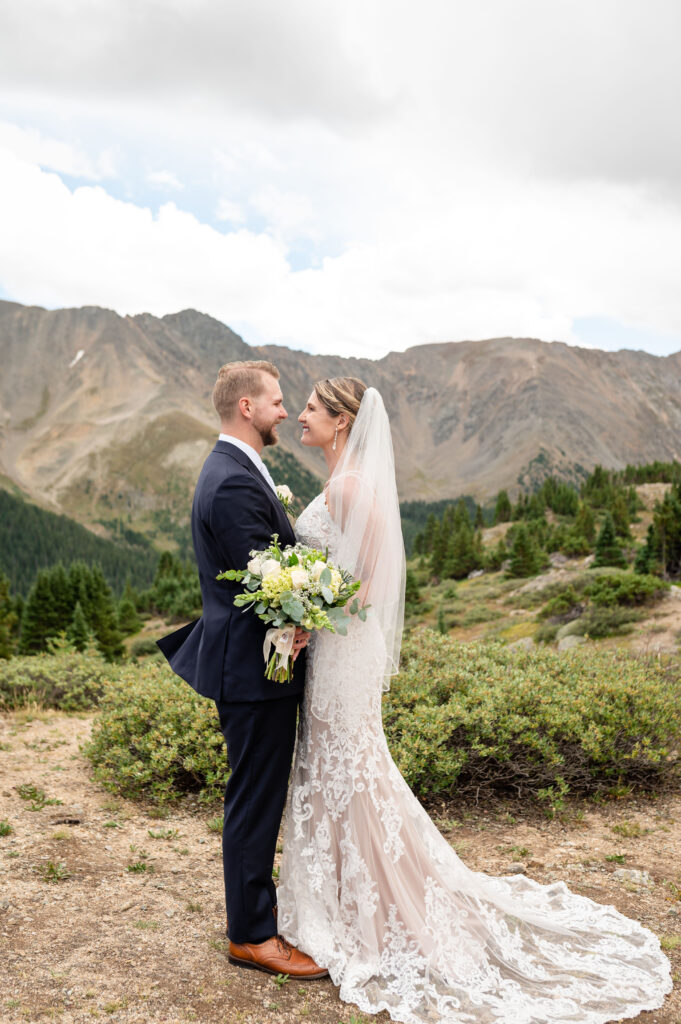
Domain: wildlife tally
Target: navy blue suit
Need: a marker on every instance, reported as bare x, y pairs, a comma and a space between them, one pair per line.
220, 655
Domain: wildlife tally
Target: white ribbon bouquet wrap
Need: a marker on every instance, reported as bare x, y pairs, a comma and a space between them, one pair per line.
290, 587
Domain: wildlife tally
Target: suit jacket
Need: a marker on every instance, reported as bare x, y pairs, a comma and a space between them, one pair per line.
234, 512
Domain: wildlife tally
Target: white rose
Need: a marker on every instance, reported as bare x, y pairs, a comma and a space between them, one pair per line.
254, 567
299, 578
284, 492
317, 569
270, 568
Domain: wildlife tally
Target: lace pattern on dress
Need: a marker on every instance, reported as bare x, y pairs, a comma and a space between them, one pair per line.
371, 890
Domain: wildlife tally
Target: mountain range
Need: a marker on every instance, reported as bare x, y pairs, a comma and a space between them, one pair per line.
107, 417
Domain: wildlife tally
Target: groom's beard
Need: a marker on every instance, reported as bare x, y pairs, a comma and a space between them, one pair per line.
268, 433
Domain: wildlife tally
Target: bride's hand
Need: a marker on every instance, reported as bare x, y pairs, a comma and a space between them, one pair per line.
301, 640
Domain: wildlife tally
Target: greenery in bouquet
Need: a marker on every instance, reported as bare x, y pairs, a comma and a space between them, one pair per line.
295, 586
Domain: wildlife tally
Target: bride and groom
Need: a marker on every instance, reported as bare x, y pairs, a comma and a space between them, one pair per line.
369, 891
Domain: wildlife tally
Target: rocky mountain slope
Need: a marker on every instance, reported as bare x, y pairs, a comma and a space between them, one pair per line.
104, 416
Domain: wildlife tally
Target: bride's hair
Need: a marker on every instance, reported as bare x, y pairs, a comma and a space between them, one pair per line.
341, 394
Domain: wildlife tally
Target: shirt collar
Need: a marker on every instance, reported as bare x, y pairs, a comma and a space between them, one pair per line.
252, 455
244, 446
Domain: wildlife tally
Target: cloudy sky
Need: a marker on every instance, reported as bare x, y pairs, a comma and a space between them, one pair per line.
349, 176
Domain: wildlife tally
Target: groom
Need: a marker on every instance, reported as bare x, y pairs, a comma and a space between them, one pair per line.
236, 511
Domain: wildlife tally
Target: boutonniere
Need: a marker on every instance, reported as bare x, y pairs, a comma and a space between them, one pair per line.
285, 496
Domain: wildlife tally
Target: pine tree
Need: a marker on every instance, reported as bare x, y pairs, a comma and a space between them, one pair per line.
103, 620
461, 519
479, 521
38, 620
428, 535
525, 559
439, 551
496, 556
63, 600
8, 619
621, 515
585, 522
645, 555
608, 551
129, 621
441, 623
502, 509
461, 557
412, 593
79, 632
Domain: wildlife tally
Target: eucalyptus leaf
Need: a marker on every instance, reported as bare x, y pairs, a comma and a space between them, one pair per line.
325, 576
327, 595
362, 614
354, 607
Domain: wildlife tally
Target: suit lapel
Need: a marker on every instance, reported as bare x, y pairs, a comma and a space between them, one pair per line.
225, 448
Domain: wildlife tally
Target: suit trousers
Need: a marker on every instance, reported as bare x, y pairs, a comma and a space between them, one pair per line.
260, 738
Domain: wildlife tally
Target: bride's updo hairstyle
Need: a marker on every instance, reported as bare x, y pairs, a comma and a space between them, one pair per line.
341, 394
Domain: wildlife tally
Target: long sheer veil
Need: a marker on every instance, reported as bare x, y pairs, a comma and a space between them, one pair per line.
362, 499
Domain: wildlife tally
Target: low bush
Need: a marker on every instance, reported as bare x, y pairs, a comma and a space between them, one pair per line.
156, 738
478, 613
625, 588
560, 605
483, 719
598, 621
64, 678
460, 719
143, 647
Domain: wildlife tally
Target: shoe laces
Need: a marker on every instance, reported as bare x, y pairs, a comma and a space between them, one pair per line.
284, 947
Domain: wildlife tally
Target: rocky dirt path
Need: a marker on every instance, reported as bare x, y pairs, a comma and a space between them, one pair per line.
108, 912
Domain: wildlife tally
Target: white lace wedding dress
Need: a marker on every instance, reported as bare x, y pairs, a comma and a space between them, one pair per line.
371, 890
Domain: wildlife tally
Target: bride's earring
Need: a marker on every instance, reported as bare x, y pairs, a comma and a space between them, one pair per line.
335, 439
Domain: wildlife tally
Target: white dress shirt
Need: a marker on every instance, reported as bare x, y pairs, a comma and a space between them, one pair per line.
253, 456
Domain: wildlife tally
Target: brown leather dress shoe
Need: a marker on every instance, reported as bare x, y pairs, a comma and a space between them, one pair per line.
275, 956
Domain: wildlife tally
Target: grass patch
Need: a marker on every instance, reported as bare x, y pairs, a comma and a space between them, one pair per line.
51, 872
5, 828
629, 830
36, 796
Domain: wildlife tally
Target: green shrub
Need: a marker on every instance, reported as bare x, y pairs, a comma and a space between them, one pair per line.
156, 737
599, 621
480, 718
561, 604
625, 588
479, 613
143, 647
65, 678
459, 719
546, 634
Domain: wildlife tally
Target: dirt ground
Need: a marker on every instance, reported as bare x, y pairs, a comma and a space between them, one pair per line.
109, 912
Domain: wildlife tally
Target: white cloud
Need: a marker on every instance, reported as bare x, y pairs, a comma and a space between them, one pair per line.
380, 174
555, 253
164, 179
229, 211
57, 155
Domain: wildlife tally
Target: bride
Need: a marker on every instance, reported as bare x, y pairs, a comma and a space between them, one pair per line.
368, 886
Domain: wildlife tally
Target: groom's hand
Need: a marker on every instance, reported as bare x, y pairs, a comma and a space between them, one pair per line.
301, 640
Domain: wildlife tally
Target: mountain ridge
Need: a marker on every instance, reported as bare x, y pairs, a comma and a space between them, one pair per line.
105, 416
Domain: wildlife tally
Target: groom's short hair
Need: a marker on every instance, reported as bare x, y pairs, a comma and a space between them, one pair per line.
237, 380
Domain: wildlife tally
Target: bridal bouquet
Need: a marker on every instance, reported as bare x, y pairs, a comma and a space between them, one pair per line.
294, 586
